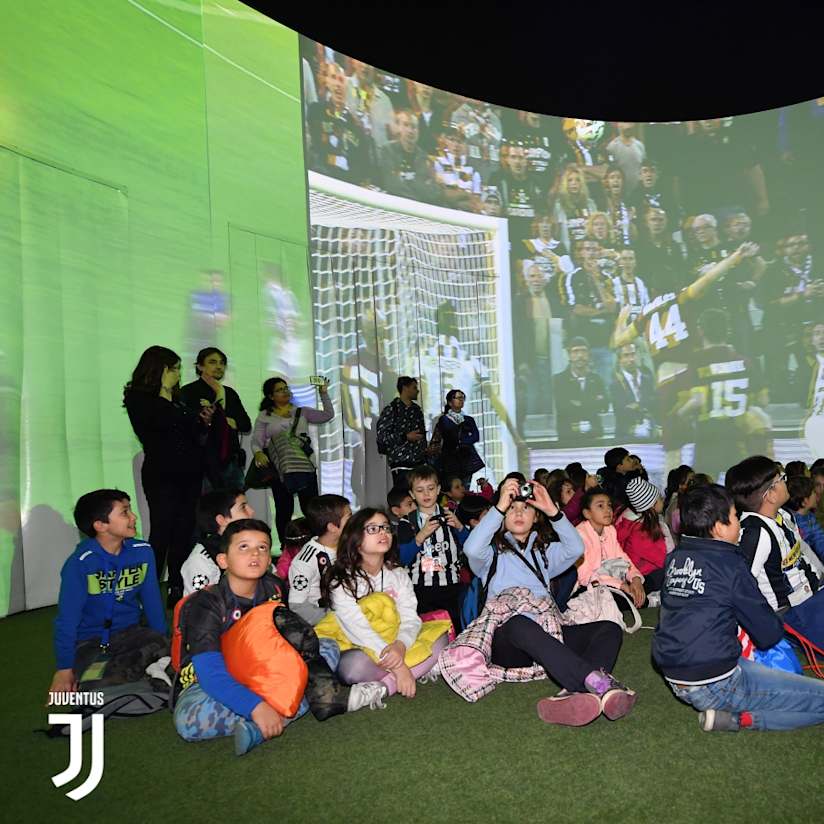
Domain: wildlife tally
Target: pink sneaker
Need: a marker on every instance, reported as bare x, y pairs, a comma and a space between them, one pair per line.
572, 709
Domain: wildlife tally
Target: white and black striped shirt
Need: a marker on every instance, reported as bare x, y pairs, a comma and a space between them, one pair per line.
437, 563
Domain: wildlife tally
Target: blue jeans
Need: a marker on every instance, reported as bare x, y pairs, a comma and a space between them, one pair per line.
198, 716
776, 700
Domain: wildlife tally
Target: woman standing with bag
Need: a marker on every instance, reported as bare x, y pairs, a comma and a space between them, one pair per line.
280, 437
453, 440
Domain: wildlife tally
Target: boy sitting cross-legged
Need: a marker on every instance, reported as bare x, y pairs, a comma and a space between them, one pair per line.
107, 583
708, 591
214, 703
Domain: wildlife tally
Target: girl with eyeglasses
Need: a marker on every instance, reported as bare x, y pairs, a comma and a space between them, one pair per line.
388, 647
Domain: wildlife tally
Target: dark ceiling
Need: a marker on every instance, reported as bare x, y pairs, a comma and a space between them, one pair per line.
668, 61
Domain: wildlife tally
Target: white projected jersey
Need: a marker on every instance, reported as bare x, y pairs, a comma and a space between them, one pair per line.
446, 366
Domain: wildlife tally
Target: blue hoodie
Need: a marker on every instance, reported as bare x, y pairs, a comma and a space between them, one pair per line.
88, 594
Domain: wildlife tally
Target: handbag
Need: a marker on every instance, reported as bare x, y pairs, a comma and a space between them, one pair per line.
303, 439
260, 477
596, 603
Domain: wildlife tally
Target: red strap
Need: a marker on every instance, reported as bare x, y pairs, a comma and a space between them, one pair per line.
810, 650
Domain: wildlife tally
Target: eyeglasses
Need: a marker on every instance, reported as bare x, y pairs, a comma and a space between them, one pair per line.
779, 479
374, 529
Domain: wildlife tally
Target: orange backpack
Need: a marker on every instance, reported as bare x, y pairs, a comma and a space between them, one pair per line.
177, 630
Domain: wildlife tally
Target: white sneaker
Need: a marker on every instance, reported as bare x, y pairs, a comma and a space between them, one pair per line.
431, 677
654, 600
368, 694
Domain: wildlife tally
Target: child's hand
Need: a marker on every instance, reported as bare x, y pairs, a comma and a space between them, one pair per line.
635, 589
406, 681
453, 520
63, 681
268, 719
392, 655
426, 530
542, 501
509, 492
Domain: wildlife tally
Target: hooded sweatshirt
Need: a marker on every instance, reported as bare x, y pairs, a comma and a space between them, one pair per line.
96, 586
597, 549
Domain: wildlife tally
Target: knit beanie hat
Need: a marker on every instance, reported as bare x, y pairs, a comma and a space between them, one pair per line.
642, 494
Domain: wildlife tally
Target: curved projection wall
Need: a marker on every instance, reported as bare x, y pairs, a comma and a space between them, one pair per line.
585, 283
153, 159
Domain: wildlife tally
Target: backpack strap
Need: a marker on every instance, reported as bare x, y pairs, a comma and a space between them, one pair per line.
295, 422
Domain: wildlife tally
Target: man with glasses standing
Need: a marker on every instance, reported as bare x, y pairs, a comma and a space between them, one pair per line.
788, 573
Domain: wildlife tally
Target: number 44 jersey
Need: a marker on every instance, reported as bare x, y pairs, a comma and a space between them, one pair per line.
663, 323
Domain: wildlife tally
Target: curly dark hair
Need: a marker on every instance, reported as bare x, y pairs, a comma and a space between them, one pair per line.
346, 572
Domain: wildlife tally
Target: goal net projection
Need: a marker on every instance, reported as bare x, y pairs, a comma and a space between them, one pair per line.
401, 292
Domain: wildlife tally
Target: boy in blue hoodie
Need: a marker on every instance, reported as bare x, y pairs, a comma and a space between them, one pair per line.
107, 584
708, 591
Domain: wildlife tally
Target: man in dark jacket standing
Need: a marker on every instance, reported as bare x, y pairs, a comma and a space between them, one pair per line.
580, 396
708, 591
401, 433
225, 462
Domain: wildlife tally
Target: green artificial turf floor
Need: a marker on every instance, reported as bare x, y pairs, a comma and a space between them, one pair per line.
435, 758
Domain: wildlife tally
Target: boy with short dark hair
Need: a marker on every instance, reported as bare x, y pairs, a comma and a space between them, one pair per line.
400, 503
802, 503
708, 591
212, 702
326, 516
430, 541
786, 569
215, 511
471, 509
107, 584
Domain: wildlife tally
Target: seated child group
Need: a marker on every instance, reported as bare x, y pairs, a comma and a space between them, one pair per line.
532, 581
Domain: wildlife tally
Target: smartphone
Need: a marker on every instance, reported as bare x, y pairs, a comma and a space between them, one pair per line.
317, 380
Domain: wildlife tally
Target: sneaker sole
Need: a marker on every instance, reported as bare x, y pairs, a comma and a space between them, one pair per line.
576, 710
618, 703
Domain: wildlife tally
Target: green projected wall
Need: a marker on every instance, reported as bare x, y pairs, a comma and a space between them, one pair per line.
152, 191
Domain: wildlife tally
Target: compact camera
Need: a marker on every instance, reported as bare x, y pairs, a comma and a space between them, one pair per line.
527, 490
441, 518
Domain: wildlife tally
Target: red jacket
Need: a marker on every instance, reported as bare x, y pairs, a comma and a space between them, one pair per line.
573, 508
646, 554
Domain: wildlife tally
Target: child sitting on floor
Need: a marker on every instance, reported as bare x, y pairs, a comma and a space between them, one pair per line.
367, 582
454, 493
327, 516
295, 537
803, 503
107, 585
708, 591
601, 549
643, 534
215, 511
215, 703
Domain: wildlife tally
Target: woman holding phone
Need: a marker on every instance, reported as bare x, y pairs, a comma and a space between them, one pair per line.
280, 436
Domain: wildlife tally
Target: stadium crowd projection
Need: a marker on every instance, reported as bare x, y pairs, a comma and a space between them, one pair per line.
622, 238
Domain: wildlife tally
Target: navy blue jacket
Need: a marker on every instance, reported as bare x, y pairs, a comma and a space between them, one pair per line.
708, 591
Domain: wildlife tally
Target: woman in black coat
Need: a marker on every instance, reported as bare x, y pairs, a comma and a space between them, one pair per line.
173, 437
454, 439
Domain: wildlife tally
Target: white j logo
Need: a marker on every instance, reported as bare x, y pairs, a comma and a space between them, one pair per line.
71, 772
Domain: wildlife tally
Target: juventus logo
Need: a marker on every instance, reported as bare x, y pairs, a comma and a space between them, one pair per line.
75, 723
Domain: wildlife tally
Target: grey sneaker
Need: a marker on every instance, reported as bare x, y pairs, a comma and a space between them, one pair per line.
431, 677
368, 694
718, 721
616, 699
654, 600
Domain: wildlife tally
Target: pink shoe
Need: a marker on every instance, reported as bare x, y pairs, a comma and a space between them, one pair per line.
572, 709
617, 703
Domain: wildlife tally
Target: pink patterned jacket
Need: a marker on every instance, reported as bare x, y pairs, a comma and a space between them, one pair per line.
466, 664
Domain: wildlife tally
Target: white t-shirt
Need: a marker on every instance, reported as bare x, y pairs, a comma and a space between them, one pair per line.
395, 583
305, 572
198, 570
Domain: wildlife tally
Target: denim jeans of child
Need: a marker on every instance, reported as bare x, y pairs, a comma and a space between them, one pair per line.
776, 700
199, 717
